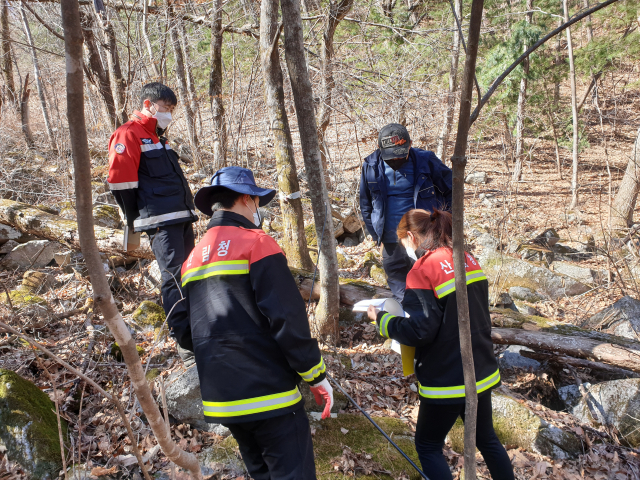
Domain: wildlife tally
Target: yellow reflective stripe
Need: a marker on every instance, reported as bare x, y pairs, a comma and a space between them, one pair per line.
228, 267
252, 405
315, 372
384, 325
450, 286
458, 391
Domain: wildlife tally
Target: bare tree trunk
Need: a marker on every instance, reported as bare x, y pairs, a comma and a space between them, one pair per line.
102, 293
588, 24
459, 161
326, 315
191, 84
115, 71
215, 90
574, 111
96, 67
625, 202
183, 90
7, 64
337, 11
557, 61
36, 73
522, 99
295, 242
145, 36
447, 120
24, 113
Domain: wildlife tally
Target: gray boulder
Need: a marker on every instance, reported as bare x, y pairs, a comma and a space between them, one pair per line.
8, 233
570, 395
513, 272
476, 178
34, 254
517, 425
511, 358
107, 216
8, 246
351, 242
29, 430
582, 274
488, 241
615, 403
524, 294
622, 319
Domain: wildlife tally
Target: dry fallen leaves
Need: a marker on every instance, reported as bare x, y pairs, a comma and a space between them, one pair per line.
101, 471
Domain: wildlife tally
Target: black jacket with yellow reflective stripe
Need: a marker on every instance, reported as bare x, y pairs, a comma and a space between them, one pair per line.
248, 324
432, 327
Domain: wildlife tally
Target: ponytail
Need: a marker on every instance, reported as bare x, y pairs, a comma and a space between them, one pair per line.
434, 229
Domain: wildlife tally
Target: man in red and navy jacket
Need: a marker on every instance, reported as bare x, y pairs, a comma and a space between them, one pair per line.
250, 333
150, 188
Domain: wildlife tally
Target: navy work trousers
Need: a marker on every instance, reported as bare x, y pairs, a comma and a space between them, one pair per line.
277, 448
434, 423
396, 264
172, 244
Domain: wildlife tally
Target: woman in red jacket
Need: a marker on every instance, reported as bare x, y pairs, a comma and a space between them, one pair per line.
432, 327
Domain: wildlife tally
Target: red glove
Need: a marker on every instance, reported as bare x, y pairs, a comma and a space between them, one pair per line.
323, 393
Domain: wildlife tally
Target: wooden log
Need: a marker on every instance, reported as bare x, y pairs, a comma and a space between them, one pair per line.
579, 362
30, 220
627, 357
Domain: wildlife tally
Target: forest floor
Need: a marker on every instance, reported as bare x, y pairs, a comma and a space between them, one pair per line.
366, 369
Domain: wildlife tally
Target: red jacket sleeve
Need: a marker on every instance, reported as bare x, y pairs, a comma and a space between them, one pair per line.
124, 160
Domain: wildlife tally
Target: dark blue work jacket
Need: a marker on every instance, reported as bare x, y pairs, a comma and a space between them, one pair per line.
432, 187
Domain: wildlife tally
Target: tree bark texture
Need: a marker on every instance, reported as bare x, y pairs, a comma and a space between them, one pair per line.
522, 100
24, 113
147, 41
459, 162
191, 84
96, 67
447, 120
588, 25
215, 90
7, 63
625, 201
326, 315
183, 90
119, 86
102, 293
295, 242
337, 12
574, 111
573, 346
36, 73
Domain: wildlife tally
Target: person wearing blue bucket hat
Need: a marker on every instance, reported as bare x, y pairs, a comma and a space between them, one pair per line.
250, 333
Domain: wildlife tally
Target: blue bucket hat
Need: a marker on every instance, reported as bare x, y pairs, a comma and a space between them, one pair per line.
237, 179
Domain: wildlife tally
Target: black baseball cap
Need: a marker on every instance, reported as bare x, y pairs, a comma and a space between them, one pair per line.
394, 141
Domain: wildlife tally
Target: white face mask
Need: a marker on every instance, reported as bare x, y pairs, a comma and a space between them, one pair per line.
163, 118
411, 253
257, 218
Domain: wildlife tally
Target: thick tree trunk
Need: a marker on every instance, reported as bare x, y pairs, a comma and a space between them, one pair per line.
96, 67
337, 11
574, 112
24, 113
119, 86
295, 242
183, 90
7, 63
326, 315
625, 202
522, 99
215, 90
447, 120
36, 73
102, 293
459, 161
147, 41
573, 346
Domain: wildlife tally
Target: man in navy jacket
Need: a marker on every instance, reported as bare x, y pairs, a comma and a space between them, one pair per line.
395, 179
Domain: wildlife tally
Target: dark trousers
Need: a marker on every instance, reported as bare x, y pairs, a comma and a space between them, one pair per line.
434, 423
278, 448
396, 264
171, 245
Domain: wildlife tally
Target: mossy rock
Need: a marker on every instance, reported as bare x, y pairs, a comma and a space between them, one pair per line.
150, 314
371, 260
363, 436
378, 274
106, 216
310, 234
343, 262
22, 298
29, 428
116, 351
48, 209
34, 282
68, 211
152, 374
508, 318
518, 426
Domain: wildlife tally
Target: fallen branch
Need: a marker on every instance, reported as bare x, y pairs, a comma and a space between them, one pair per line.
573, 346
579, 362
